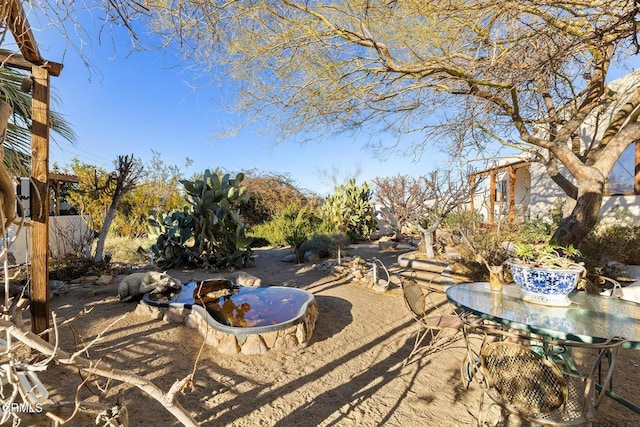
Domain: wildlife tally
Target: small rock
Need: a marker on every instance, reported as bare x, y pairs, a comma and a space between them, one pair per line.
286, 342
56, 284
387, 246
89, 279
311, 256
340, 269
229, 345
105, 279
289, 258
381, 286
254, 345
453, 256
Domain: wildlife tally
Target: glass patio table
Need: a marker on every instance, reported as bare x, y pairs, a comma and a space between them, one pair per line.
589, 319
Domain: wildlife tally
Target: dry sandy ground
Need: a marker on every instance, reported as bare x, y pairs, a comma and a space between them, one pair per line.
351, 374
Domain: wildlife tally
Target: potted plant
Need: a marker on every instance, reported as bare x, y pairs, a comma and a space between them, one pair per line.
547, 273
492, 249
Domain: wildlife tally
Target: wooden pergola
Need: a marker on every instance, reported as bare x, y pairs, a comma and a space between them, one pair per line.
29, 59
493, 173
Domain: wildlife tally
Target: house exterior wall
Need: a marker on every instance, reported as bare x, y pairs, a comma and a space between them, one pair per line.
537, 195
521, 192
522, 197
67, 234
546, 195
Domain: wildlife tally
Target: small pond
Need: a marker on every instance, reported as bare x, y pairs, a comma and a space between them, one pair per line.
278, 317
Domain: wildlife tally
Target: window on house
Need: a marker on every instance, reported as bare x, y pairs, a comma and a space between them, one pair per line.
623, 177
501, 191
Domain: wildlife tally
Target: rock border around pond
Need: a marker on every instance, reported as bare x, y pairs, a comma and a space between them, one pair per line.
292, 338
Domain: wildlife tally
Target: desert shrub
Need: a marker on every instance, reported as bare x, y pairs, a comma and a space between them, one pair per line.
259, 242
534, 231
128, 250
326, 245
293, 222
465, 221
270, 193
612, 243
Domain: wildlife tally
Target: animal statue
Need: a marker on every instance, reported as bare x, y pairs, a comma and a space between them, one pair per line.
137, 284
245, 279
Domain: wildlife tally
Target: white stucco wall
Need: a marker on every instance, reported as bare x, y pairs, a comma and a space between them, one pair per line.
67, 234
546, 194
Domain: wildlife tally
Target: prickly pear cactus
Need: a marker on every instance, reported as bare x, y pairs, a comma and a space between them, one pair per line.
350, 209
208, 231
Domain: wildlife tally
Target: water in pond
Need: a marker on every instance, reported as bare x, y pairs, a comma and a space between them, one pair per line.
244, 306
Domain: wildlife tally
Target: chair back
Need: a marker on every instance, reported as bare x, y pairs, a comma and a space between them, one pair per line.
523, 379
414, 297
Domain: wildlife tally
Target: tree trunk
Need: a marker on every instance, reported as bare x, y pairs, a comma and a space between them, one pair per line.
427, 236
584, 216
106, 224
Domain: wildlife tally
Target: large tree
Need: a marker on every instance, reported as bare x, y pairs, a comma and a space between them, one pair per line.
527, 73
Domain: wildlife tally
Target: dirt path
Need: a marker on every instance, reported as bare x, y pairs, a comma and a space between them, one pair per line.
350, 375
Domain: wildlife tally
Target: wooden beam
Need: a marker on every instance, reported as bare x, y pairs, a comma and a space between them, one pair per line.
512, 193
636, 179
492, 197
40, 201
19, 26
15, 60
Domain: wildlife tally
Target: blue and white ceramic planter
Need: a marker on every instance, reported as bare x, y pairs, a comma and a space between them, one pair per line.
545, 285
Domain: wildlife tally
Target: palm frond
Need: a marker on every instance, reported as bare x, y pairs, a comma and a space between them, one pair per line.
18, 138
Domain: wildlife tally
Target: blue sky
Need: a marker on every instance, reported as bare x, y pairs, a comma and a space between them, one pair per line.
144, 100
136, 102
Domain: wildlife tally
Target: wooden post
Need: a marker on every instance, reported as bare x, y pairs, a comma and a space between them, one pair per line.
40, 201
636, 180
512, 194
492, 197
472, 191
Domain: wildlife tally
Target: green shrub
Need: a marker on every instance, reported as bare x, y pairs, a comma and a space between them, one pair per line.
293, 221
612, 243
534, 231
326, 245
128, 250
350, 210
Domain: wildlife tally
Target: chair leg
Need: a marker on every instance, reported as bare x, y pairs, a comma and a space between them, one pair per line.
417, 346
501, 420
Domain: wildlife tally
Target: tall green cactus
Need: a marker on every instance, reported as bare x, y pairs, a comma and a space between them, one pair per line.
208, 231
350, 210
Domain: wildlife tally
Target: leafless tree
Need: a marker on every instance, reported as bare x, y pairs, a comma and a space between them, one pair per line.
446, 191
422, 202
403, 198
527, 73
17, 335
124, 179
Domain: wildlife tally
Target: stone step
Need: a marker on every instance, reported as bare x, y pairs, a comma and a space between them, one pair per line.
431, 273
408, 260
426, 278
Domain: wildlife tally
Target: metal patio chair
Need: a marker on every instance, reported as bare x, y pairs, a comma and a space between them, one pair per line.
439, 325
532, 381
